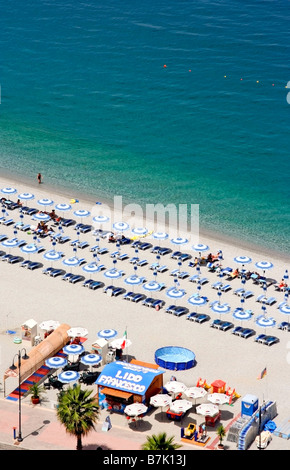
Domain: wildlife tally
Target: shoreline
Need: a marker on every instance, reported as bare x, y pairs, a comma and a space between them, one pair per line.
206, 236
219, 355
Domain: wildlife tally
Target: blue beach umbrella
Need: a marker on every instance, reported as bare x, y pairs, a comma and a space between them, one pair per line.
121, 226
91, 268
107, 333
140, 231
45, 202
200, 247
101, 219
52, 255
31, 248
242, 315
265, 322
152, 286
73, 349
63, 207
179, 241
175, 293
8, 191
220, 308
285, 309
91, 359
41, 217
134, 280
242, 260
56, 362
73, 261
160, 235
197, 301
68, 377
82, 213
25, 196
113, 273
264, 265
11, 243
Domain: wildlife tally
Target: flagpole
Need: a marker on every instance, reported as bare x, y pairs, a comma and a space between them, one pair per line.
126, 344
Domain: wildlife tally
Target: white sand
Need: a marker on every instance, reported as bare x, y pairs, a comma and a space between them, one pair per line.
220, 355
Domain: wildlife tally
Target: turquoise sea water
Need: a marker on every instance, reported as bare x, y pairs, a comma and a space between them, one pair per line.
162, 102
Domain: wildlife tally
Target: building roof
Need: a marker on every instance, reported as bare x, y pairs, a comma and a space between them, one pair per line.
127, 377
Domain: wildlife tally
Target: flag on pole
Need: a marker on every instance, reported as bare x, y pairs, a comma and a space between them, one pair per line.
124, 340
263, 373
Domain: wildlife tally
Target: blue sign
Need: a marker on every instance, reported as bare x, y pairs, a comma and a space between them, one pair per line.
127, 377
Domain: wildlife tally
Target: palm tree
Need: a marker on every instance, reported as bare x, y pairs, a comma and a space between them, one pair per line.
78, 412
221, 432
160, 442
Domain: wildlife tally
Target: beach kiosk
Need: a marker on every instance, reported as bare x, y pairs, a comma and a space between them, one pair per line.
218, 386
29, 331
101, 347
122, 383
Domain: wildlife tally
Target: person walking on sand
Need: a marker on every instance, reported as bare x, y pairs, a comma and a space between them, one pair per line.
39, 178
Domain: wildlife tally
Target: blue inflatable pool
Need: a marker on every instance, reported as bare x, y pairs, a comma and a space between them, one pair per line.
175, 358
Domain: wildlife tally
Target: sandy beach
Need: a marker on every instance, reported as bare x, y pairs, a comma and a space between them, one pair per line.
219, 355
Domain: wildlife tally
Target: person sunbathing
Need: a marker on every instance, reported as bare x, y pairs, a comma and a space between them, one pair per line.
235, 273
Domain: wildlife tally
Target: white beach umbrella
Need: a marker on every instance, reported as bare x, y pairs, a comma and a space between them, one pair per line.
48, 325
207, 409
160, 400
173, 386
119, 342
180, 406
218, 398
135, 409
77, 331
195, 392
